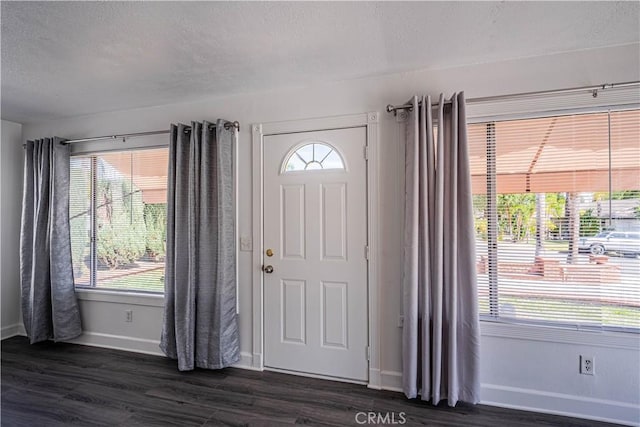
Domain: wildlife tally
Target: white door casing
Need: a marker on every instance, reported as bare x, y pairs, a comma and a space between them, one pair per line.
315, 224
316, 310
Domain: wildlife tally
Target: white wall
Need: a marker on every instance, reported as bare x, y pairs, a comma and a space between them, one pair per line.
10, 211
519, 368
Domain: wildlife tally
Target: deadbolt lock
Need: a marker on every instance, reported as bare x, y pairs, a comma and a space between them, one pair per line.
269, 252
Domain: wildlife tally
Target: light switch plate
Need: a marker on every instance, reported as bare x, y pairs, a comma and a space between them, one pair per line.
246, 243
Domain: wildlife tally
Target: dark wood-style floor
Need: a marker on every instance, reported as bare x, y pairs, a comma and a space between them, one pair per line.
51, 384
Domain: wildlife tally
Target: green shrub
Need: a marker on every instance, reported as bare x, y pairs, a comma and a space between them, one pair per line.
121, 228
155, 219
589, 225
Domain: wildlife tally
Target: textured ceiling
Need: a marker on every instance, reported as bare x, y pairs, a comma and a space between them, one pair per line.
70, 58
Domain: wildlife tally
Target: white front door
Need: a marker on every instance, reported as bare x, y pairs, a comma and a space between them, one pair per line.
315, 229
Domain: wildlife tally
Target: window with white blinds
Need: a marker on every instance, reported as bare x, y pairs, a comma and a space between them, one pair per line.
557, 217
118, 222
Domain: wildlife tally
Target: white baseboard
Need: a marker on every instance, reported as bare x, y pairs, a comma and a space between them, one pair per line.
97, 339
246, 362
540, 401
12, 331
258, 363
385, 380
374, 379
391, 380
119, 342
141, 345
560, 404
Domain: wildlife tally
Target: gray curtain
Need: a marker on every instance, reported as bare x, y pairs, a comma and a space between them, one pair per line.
49, 305
200, 322
441, 326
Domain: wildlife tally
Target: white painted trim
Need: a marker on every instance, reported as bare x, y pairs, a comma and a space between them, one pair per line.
119, 342
560, 404
256, 268
258, 363
124, 343
317, 124
12, 331
373, 233
560, 102
130, 298
246, 362
548, 113
258, 132
387, 380
537, 332
391, 380
108, 145
374, 379
540, 401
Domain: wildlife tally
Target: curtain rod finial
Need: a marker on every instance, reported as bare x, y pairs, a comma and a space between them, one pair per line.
235, 125
391, 108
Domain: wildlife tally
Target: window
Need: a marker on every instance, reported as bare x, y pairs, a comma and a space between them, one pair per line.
557, 215
118, 219
313, 156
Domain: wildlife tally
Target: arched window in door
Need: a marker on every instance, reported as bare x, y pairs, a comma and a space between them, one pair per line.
313, 156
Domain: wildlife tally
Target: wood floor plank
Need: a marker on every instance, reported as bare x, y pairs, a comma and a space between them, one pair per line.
164, 369
306, 393
34, 408
13, 376
56, 384
226, 418
241, 404
138, 402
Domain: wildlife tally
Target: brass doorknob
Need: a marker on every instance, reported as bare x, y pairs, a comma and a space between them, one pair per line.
267, 269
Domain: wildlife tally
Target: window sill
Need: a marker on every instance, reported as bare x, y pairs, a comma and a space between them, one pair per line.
608, 339
116, 297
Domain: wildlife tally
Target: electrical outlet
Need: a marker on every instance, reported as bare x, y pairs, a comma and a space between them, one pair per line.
400, 321
587, 366
128, 315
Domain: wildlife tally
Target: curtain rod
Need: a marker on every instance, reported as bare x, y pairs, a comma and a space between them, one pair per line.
227, 126
593, 89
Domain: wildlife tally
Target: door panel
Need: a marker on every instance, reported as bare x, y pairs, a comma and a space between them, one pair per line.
315, 300
293, 214
334, 222
294, 311
334, 314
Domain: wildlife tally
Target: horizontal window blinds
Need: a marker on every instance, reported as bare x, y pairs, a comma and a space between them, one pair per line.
557, 217
118, 219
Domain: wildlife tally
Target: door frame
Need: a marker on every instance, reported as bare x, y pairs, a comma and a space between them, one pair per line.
258, 132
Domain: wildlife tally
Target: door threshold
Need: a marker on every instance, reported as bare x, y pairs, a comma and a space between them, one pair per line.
317, 376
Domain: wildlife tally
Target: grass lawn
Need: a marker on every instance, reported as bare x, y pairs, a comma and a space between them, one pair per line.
146, 281
555, 245
556, 310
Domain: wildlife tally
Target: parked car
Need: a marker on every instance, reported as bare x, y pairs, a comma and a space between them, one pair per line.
621, 242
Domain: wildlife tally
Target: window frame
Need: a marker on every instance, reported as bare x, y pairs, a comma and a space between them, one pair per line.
523, 325
97, 148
